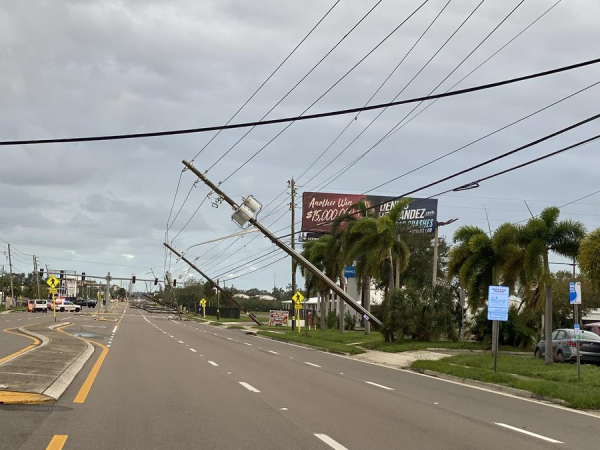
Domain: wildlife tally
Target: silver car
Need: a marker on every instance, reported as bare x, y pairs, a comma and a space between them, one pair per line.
564, 346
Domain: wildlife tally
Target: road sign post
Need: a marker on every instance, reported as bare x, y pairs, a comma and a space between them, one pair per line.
575, 300
298, 299
497, 312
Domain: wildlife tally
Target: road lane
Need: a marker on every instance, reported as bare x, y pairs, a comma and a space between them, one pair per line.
153, 393
456, 399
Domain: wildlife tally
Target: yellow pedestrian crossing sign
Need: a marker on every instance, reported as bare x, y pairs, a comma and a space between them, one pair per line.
203, 302
52, 281
298, 297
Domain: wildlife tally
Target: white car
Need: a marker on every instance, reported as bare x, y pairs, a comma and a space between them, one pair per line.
69, 307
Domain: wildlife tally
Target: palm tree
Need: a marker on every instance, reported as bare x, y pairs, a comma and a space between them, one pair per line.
589, 257
481, 261
319, 254
539, 237
373, 242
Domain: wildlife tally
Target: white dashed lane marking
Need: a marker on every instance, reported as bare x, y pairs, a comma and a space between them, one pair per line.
311, 364
213, 363
249, 387
379, 385
192, 350
332, 443
275, 353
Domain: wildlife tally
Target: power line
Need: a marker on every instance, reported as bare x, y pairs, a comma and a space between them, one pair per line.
352, 120
389, 133
223, 155
489, 161
258, 268
477, 67
482, 137
270, 76
299, 82
323, 94
341, 152
338, 112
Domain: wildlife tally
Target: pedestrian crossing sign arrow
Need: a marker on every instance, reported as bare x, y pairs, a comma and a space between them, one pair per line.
298, 297
52, 281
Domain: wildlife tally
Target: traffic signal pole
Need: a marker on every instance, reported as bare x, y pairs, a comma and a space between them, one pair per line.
295, 255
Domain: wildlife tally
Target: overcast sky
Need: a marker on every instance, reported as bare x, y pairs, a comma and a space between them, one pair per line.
94, 67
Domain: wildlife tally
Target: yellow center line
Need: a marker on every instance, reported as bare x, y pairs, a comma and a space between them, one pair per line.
89, 381
57, 442
23, 350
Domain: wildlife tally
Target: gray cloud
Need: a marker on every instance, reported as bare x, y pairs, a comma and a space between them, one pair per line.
78, 68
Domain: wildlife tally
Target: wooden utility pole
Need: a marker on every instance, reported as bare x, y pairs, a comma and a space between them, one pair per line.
12, 288
292, 185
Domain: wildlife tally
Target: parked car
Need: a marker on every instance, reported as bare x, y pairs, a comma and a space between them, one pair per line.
40, 306
593, 327
564, 346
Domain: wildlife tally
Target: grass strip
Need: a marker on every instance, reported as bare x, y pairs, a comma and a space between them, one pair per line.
334, 347
557, 380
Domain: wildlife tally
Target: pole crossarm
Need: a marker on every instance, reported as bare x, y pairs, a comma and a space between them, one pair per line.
219, 288
295, 255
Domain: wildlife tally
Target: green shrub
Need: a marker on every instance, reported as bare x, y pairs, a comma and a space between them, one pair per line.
332, 320
349, 321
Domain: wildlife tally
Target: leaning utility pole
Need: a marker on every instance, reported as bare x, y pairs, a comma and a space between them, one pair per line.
295, 255
292, 185
37, 276
12, 288
219, 288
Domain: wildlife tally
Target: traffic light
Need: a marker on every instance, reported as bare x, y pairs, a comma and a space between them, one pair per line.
175, 282
41, 273
155, 281
82, 276
133, 279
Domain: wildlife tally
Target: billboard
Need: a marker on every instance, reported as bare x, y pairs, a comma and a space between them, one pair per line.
319, 209
278, 318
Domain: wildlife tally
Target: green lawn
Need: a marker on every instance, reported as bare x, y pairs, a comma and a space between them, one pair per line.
558, 380
330, 340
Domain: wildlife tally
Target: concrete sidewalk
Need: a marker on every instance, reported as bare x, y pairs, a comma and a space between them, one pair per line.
399, 360
43, 373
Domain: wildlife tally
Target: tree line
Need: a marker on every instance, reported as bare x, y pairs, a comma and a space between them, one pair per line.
515, 255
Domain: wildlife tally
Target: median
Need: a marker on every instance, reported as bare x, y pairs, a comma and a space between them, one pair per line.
555, 381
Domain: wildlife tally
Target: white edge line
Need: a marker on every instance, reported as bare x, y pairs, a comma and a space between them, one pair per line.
478, 388
249, 387
333, 444
115, 329
529, 433
379, 385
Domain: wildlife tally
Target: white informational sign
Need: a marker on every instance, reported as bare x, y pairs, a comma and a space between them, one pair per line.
498, 303
577, 332
575, 293
278, 318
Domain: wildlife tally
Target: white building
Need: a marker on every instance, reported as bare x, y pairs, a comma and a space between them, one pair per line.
241, 296
267, 297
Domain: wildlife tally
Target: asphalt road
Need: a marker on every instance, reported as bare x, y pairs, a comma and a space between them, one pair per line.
167, 384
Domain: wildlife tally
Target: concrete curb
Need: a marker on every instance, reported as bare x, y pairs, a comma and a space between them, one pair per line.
490, 386
43, 341
60, 385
